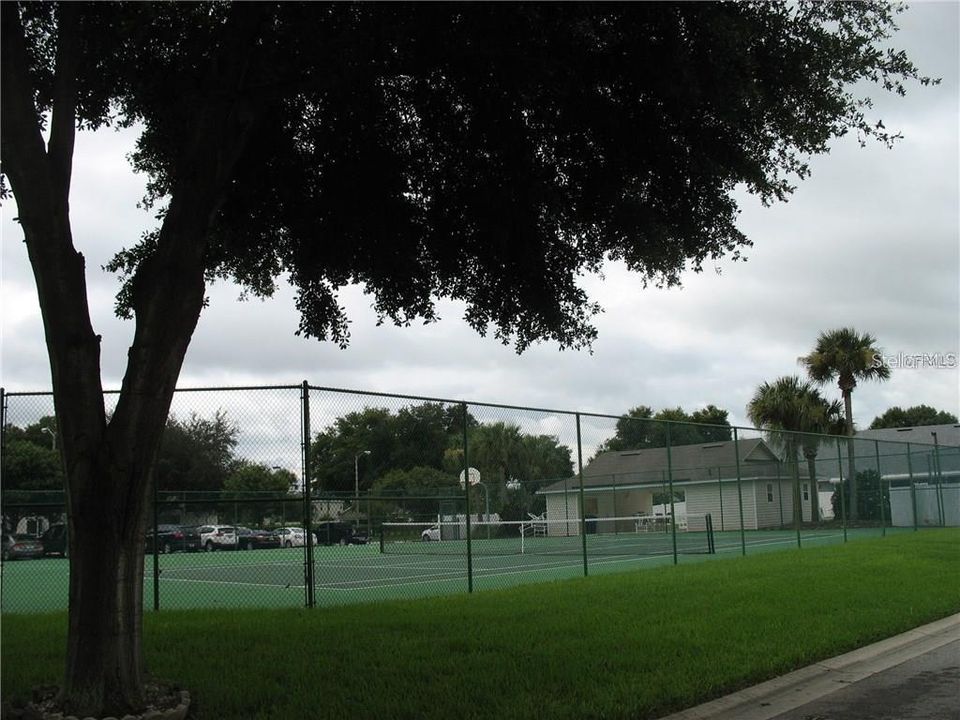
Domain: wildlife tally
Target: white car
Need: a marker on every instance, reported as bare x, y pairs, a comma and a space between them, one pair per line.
292, 537
217, 537
431, 534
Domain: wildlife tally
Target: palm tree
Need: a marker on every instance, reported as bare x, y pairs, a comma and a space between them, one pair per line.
846, 356
789, 406
825, 418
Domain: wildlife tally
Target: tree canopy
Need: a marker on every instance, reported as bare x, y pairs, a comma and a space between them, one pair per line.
918, 415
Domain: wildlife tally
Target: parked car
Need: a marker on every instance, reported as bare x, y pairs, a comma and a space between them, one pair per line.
431, 534
213, 537
21, 547
248, 539
55, 540
171, 538
292, 537
339, 533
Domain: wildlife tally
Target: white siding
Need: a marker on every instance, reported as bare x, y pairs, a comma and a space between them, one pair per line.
725, 509
774, 501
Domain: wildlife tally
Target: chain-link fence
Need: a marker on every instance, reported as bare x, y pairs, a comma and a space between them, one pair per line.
302, 496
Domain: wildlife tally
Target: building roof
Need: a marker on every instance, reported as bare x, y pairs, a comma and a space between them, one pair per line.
688, 463
947, 435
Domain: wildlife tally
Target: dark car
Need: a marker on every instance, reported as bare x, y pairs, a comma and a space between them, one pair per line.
339, 533
55, 540
21, 547
248, 539
170, 538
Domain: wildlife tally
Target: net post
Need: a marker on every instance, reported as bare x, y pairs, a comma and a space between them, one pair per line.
711, 546
307, 503
583, 521
673, 510
843, 500
381, 539
466, 492
736, 457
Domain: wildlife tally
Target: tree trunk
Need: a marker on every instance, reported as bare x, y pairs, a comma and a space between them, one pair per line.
105, 668
847, 391
109, 466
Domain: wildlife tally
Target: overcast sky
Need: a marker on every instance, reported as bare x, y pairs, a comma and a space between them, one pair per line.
870, 241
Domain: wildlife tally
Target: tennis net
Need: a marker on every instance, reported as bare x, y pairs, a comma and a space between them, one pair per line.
633, 535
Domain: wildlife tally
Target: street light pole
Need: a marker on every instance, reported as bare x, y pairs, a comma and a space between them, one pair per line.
356, 483
53, 437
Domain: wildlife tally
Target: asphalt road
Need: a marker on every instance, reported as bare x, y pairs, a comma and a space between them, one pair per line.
924, 688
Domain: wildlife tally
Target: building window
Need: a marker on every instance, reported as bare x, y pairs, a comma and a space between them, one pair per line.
806, 491
769, 492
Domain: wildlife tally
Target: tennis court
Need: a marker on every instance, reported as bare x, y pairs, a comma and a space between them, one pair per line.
413, 569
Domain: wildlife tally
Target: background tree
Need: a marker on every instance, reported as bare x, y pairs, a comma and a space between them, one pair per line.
31, 460
848, 357
197, 454
256, 481
640, 428
485, 153
916, 416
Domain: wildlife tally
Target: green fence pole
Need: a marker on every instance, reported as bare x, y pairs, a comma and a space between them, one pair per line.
720, 488
156, 543
913, 488
941, 511
466, 492
780, 494
673, 513
615, 515
883, 521
736, 455
307, 501
843, 500
583, 520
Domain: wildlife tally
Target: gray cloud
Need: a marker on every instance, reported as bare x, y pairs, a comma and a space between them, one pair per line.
871, 240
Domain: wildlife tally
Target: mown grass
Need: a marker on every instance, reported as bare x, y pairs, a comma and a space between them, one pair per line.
634, 645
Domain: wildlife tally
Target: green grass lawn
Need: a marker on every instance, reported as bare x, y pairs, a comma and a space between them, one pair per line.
631, 645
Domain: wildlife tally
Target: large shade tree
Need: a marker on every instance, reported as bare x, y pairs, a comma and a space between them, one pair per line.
848, 357
488, 153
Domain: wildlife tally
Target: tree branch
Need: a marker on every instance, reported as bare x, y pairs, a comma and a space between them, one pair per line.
63, 123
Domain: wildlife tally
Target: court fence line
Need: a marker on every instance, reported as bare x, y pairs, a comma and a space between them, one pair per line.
739, 480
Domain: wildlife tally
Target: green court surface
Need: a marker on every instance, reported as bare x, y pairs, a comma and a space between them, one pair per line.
354, 574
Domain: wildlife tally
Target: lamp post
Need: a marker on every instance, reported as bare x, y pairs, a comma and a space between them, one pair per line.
356, 482
53, 437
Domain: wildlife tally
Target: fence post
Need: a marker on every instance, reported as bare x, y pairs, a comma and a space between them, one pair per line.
936, 464
843, 500
883, 519
720, 489
466, 492
780, 495
913, 489
583, 517
736, 456
307, 500
673, 514
156, 539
